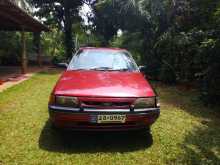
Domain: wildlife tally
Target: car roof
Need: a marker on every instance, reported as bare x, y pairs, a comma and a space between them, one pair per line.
102, 48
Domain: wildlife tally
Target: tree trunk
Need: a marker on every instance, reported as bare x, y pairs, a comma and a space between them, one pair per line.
37, 47
69, 45
24, 55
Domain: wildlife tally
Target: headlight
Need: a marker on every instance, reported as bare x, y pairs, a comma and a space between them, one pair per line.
145, 103
158, 102
67, 101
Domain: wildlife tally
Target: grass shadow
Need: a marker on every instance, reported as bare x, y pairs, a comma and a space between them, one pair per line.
202, 144
51, 71
186, 100
92, 142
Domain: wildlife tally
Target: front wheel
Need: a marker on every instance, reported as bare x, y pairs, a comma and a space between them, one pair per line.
144, 131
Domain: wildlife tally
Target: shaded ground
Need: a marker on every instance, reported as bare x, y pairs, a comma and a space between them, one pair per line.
84, 142
186, 132
11, 75
7, 72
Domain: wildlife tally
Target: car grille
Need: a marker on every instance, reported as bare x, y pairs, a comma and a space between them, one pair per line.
105, 104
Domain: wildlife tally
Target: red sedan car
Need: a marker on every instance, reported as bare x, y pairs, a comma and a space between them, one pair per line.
103, 89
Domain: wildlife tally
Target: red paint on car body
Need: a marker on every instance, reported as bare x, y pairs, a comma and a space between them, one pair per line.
103, 84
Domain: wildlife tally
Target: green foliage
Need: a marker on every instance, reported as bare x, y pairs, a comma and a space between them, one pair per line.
84, 37
60, 14
129, 42
10, 47
105, 20
53, 45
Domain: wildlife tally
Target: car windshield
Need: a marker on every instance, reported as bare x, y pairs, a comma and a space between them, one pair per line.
106, 60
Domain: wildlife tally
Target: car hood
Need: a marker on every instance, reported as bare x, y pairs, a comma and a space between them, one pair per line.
103, 84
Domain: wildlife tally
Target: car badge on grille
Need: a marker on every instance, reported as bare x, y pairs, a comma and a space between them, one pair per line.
107, 104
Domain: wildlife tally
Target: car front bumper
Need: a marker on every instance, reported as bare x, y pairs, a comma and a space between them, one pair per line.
78, 119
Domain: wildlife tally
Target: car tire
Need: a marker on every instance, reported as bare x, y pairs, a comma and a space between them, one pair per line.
144, 131
54, 127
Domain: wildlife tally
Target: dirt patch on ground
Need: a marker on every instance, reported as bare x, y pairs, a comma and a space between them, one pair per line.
11, 75
14, 81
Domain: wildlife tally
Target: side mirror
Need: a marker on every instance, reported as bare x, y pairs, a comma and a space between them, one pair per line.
142, 68
62, 65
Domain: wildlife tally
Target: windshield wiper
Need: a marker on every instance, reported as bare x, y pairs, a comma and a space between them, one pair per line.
79, 69
122, 69
101, 68
109, 69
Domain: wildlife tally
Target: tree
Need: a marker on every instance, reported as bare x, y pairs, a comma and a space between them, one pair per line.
60, 14
105, 20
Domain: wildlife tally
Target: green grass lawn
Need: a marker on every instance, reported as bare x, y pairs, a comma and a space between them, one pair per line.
185, 133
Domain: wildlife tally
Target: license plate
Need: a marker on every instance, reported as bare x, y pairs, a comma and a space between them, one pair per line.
111, 118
